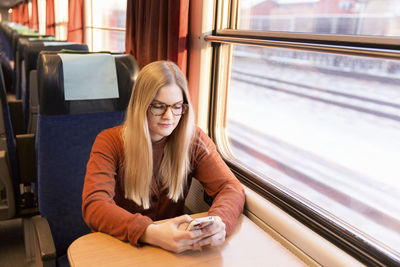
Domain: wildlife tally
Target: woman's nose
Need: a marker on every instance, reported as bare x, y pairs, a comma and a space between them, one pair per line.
168, 113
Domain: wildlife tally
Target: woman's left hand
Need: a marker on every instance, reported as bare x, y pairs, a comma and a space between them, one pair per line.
214, 235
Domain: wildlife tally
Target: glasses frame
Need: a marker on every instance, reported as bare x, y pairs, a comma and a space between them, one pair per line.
185, 108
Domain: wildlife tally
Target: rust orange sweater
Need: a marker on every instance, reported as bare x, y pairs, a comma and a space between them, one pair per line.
105, 208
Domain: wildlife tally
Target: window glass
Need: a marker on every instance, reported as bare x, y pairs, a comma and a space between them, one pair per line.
105, 25
326, 128
42, 16
108, 13
61, 18
343, 17
30, 10
108, 40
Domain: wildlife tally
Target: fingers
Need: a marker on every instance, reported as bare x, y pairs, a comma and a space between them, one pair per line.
214, 240
188, 236
218, 226
182, 234
213, 235
182, 219
181, 241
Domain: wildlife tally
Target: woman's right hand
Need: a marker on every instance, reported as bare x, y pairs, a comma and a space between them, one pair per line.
170, 236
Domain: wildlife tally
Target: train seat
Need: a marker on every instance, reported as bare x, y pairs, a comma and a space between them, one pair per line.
21, 79
20, 159
7, 71
8, 161
72, 111
16, 39
29, 88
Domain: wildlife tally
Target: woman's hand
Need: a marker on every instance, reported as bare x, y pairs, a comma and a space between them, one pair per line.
213, 235
171, 237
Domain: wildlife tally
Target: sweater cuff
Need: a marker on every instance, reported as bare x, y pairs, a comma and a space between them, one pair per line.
137, 228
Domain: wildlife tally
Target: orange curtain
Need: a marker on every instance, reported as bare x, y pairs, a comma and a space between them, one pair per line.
15, 14
34, 22
21, 14
75, 21
25, 14
157, 30
50, 18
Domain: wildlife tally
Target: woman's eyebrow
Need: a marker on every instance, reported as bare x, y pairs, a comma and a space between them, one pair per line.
158, 101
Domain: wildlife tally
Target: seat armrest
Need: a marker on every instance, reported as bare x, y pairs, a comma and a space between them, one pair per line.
44, 243
17, 116
26, 157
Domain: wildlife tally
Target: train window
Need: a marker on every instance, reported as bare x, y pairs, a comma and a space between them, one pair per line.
30, 10
348, 17
105, 25
42, 16
312, 121
323, 126
61, 18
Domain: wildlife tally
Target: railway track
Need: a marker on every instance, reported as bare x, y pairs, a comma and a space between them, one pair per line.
378, 108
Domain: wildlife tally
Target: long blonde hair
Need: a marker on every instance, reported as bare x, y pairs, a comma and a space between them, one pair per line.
138, 163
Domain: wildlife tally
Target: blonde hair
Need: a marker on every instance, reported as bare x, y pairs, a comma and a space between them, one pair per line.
138, 163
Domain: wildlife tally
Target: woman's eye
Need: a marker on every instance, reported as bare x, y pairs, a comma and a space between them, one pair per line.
178, 107
159, 106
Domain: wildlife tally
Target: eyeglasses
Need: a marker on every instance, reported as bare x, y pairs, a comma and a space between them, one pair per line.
159, 109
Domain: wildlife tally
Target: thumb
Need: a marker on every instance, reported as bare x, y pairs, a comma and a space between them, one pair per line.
182, 219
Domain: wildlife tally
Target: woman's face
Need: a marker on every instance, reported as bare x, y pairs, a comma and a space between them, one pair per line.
163, 125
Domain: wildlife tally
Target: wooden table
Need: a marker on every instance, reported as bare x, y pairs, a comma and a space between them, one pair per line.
248, 245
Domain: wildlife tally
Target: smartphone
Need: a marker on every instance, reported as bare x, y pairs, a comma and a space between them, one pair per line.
200, 223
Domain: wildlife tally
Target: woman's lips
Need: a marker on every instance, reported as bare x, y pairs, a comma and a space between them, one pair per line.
165, 125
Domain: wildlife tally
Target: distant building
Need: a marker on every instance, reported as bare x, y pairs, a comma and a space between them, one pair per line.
344, 17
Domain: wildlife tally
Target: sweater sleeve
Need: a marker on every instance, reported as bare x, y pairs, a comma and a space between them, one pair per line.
219, 182
99, 209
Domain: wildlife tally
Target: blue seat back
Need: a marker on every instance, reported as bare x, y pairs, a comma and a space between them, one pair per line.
30, 55
65, 134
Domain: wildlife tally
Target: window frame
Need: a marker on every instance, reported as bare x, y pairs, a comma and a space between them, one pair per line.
225, 34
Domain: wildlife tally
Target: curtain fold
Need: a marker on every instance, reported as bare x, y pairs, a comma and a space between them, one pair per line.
157, 30
50, 18
75, 21
34, 22
15, 14
21, 13
25, 13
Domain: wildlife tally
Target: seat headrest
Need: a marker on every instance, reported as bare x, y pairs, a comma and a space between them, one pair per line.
24, 41
17, 38
55, 97
33, 49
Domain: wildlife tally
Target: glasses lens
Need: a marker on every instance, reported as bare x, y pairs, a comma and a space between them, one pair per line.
178, 109
158, 109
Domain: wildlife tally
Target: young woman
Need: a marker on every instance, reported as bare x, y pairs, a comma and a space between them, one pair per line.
141, 171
